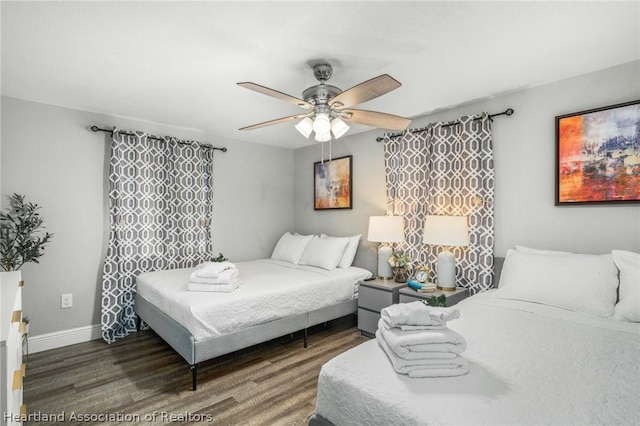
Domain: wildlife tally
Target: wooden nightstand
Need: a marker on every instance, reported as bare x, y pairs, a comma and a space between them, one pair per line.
373, 296
408, 295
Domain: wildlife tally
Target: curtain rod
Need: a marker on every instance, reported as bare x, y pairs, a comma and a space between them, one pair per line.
98, 129
508, 111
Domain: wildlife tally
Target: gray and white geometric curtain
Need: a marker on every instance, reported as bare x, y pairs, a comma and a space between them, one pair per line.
160, 197
446, 169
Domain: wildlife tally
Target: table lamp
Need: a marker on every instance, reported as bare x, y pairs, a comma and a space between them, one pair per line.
446, 231
385, 230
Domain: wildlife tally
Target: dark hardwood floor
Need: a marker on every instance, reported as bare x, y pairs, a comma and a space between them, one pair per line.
140, 379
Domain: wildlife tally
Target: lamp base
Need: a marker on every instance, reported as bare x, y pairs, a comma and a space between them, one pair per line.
446, 288
446, 271
384, 269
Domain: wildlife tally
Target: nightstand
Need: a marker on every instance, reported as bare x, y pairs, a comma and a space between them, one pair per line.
373, 296
408, 295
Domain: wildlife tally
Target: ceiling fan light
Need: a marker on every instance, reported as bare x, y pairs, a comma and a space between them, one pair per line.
305, 127
323, 137
321, 124
338, 127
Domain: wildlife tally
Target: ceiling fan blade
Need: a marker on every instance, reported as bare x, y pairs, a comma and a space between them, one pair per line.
276, 121
375, 119
274, 93
365, 91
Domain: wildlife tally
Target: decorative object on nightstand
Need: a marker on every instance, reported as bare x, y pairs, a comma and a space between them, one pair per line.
436, 301
421, 287
401, 265
436, 298
446, 231
385, 230
220, 258
422, 273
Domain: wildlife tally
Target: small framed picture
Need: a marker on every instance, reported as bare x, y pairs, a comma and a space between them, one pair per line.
333, 184
598, 155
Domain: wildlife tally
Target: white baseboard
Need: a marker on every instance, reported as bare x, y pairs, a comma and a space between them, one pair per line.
58, 339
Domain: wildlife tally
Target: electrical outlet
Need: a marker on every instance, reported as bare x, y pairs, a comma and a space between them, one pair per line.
66, 301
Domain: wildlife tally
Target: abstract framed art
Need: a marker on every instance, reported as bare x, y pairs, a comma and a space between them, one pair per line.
598, 155
333, 184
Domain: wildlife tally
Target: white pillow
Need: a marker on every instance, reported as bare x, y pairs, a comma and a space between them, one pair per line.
324, 253
350, 251
290, 247
578, 282
538, 251
628, 308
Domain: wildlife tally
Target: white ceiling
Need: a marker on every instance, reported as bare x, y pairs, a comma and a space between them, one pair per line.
177, 63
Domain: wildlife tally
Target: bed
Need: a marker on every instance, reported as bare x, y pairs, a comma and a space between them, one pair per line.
291, 291
534, 358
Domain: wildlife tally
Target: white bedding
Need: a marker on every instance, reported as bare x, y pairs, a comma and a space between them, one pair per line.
529, 364
270, 290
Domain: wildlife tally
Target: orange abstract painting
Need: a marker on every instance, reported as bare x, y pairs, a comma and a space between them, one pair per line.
332, 184
598, 155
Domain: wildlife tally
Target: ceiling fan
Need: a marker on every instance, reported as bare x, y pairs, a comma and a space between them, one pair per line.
327, 107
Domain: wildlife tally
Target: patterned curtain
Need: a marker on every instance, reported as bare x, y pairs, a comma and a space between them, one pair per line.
445, 169
160, 196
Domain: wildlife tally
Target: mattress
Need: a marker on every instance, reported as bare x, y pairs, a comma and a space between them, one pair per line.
270, 290
529, 364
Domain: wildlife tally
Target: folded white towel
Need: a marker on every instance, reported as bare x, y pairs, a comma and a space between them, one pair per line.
213, 269
233, 282
431, 354
415, 327
426, 367
222, 288
225, 277
418, 316
404, 342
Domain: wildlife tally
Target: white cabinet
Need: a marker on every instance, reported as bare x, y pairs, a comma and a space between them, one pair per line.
11, 331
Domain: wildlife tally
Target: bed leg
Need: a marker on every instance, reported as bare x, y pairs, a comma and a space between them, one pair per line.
138, 323
192, 367
305, 338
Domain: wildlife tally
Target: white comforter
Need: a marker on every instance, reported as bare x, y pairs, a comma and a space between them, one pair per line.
529, 364
270, 290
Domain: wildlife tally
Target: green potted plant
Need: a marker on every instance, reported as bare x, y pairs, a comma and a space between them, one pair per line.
21, 237
436, 301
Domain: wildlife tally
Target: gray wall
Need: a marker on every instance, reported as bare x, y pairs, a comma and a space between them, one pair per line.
49, 155
524, 146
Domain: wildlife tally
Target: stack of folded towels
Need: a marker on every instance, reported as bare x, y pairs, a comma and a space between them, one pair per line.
214, 276
416, 339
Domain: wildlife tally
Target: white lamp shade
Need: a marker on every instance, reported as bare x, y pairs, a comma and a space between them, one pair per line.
386, 229
321, 124
305, 127
322, 137
338, 127
446, 231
